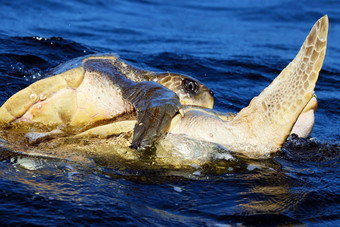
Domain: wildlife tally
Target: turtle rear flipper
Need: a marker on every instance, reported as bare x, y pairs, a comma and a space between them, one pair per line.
155, 104
269, 118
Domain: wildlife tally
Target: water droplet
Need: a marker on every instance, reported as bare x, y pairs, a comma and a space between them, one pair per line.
38, 38
20, 67
195, 166
34, 74
252, 167
197, 173
177, 189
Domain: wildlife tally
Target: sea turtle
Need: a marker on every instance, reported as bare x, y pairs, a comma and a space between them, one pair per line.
189, 90
73, 98
260, 128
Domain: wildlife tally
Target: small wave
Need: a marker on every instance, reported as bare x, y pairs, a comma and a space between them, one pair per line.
48, 52
298, 149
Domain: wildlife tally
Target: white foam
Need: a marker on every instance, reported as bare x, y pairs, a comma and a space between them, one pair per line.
177, 189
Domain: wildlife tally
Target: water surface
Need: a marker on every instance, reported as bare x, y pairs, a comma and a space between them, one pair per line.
236, 48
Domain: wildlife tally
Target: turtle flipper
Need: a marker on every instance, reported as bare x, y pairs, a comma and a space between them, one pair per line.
155, 104
270, 117
304, 124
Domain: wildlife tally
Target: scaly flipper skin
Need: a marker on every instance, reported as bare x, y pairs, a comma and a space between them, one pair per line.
272, 114
155, 104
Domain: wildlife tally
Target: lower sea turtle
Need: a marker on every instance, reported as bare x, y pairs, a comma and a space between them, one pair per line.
260, 128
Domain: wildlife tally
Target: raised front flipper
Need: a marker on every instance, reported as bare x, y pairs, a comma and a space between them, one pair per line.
269, 118
155, 104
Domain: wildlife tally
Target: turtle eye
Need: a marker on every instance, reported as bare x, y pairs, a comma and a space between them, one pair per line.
190, 85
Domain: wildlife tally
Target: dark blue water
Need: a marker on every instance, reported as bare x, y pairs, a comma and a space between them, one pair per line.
236, 48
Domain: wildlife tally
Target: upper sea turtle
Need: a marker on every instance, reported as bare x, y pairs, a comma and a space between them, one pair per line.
260, 128
74, 99
189, 90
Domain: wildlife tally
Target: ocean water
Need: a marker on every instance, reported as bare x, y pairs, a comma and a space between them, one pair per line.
236, 48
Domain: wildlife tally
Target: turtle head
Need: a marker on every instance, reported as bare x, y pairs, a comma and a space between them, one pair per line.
189, 90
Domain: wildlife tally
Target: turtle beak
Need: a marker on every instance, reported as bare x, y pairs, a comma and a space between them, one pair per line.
207, 99
204, 99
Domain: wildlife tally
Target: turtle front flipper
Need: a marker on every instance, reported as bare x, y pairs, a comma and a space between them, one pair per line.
155, 104
270, 117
